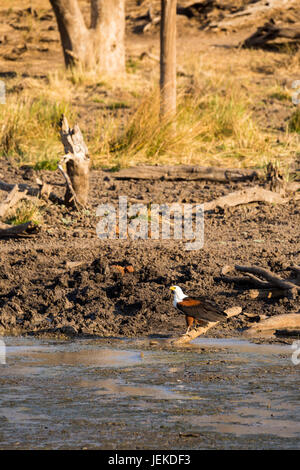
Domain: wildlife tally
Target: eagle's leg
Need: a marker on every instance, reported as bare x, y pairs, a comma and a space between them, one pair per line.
189, 322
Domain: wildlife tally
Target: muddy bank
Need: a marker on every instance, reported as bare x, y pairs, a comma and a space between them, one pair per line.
44, 291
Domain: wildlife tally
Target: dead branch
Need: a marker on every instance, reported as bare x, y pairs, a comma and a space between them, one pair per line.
274, 279
12, 199
194, 333
149, 55
244, 280
151, 19
187, 172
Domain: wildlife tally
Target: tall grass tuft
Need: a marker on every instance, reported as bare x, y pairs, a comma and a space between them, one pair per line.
217, 124
294, 122
29, 127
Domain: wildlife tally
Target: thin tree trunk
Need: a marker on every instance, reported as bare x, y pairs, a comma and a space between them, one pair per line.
168, 58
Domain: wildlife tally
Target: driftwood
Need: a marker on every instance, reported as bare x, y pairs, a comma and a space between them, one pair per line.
245, 196
195, 332
10, 231
270, 31
77, 163
187, 172
277, 322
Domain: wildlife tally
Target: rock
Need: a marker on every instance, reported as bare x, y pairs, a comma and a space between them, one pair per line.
129, 269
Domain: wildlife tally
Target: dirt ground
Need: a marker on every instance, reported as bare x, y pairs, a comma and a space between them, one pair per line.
40, 293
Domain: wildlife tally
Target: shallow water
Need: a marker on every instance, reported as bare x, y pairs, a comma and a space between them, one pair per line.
121, 394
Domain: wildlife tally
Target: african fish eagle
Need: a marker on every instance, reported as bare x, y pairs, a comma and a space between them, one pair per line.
197, 309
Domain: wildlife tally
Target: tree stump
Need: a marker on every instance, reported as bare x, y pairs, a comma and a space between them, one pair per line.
77, 163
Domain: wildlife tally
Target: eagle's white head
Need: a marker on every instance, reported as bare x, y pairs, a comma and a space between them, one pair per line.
178, 294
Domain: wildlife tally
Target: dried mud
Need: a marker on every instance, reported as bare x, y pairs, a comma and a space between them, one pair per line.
42, 294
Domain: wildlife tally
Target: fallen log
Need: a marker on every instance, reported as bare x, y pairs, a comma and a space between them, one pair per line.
277, 322
274, 279
197, 9
10, 231
187, 172
288, 332
265, 294
245, 196
250, 15
194, 333
270, 31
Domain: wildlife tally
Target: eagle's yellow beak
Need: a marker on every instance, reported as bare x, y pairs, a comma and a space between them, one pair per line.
172, 288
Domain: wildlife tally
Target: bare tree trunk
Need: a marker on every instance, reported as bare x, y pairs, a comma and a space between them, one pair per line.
168, 58
75, 37
108, 25
100, 47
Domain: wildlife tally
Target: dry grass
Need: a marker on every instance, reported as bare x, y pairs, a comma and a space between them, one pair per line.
217, 122
29, 127
294, 122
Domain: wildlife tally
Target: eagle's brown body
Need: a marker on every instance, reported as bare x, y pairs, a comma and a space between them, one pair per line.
200, 310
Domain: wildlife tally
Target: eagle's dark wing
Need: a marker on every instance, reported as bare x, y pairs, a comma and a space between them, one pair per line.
201, 309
